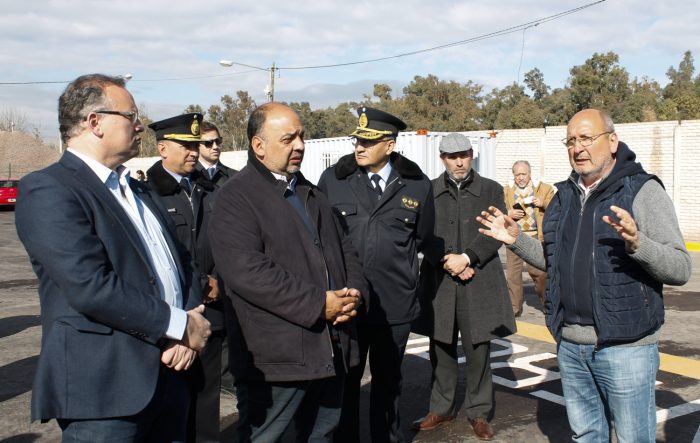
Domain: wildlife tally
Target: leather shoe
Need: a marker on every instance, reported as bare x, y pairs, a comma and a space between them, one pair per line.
482, 428
431, 421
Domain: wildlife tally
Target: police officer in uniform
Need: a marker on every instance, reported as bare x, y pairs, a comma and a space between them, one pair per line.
187, 194
385, 203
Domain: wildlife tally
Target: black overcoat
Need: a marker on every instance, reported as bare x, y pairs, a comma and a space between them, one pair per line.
488, 309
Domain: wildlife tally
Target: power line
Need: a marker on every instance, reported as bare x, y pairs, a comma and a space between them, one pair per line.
489, 35
457, 43
139, 80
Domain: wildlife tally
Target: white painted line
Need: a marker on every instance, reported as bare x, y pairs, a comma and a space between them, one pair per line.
545, 395
663, 415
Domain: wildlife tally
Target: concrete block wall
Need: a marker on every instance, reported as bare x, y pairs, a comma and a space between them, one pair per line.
668, 149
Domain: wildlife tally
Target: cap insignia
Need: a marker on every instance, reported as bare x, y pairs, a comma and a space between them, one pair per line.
195, 127
363, 120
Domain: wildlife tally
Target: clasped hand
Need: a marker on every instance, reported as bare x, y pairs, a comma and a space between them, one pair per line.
179, 355
341, 305
457, 265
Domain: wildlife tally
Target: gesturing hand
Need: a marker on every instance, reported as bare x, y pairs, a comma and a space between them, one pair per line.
500, 226
625, 226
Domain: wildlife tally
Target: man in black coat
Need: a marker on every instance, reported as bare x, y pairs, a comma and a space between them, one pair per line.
188, 197
385, 204
209, 153
462, 290
295, 282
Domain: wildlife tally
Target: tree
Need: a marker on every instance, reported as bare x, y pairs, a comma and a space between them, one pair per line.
231, 117
193, 108
534, 80
437, 105
148, 137
12, 120
682, 90
642, 105
510, 108
599, 83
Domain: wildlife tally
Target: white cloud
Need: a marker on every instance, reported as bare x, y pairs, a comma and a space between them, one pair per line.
48, 40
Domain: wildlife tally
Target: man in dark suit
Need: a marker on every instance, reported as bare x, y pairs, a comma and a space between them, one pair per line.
209, 153
113, 285
295, 282
385, 203
188, 197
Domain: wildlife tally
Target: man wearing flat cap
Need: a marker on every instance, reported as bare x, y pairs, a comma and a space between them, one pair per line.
385, 203
188, 196
462, 290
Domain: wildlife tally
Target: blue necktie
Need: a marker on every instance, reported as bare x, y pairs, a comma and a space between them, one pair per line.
376, 179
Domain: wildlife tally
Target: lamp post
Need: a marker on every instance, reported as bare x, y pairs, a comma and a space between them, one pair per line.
270, 88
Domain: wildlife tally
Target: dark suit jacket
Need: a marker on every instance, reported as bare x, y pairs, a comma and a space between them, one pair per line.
277, 272
222, 175
102, 316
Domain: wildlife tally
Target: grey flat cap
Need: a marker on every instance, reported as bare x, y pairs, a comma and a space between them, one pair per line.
454, 142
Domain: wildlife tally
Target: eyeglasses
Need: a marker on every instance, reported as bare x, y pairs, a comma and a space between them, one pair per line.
133, 117
209, 143
584, 141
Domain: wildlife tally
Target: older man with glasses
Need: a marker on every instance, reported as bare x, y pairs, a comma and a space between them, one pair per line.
611, 241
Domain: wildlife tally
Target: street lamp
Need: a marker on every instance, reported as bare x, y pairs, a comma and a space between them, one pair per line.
270, 88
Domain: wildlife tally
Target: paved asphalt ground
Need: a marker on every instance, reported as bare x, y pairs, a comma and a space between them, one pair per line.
528, 392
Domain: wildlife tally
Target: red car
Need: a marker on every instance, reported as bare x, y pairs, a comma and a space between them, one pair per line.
8, 192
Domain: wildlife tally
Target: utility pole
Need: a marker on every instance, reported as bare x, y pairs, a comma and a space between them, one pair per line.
271, 90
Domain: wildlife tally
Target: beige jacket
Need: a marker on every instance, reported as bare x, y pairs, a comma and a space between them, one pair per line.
543, 191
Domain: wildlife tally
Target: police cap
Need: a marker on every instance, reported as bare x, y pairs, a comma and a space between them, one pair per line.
185, 127
374, 124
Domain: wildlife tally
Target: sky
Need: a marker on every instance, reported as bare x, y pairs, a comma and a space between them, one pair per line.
172, 49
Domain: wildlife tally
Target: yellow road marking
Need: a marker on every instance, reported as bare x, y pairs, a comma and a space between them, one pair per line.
692, 246
674, 364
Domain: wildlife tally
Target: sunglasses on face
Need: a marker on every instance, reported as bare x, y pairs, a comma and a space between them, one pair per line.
209, 143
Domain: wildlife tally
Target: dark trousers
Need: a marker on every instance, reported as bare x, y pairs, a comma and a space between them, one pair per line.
443, 358
266, 409
205, 384
385, 345
163, 420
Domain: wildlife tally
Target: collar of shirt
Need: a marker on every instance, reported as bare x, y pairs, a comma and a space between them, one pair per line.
384, 173
177, 177
207, 165
588, 189
291, 182
103, 172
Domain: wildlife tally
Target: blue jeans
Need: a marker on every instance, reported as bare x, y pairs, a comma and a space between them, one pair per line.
610, 384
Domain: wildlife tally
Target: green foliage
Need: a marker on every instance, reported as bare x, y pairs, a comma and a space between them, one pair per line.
441, 105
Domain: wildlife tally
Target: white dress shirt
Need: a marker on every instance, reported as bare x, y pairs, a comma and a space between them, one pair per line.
151, 234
